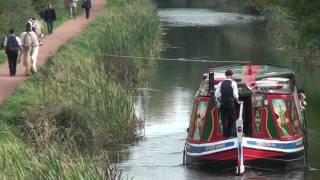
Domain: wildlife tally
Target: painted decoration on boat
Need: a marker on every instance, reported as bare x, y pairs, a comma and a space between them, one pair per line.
280, 109
257, 120
201, 111
294, 116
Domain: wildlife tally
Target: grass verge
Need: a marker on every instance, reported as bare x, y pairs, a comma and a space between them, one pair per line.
82, 99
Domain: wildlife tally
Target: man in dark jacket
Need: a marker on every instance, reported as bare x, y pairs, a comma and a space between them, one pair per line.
49, 17
87, 6
227, 90
12, 45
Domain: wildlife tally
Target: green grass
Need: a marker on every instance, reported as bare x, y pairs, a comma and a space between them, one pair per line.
80, 101
2, 57
85, 99
17, 161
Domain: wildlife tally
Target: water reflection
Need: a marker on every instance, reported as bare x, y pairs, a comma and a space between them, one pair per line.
203, 17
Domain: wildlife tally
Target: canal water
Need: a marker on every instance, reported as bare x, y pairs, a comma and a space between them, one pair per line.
166, 101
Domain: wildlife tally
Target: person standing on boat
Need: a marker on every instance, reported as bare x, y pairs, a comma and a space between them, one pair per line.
227, 92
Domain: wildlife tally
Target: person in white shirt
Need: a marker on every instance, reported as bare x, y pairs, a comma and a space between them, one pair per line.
12, 45
30, 44
73, 8
227, 92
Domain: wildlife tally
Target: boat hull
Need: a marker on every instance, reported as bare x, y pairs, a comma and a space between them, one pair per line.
257, 153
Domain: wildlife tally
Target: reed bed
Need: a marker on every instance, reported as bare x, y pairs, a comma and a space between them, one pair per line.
19, 162
82, 100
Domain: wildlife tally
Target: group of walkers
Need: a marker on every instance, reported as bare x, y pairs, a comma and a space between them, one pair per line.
29, 41
86, 5
28, 44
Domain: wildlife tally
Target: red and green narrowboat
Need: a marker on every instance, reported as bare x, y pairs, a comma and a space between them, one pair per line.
270, 125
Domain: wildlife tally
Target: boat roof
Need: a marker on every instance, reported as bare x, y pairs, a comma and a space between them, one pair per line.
253, 72
263, 78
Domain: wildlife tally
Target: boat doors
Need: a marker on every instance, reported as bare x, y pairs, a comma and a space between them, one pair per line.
201, 121
285, 116
259, 116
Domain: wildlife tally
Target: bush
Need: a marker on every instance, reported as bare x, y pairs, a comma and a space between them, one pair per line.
14, 14
295, 24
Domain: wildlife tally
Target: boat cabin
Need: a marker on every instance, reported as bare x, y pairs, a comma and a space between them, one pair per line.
271, 107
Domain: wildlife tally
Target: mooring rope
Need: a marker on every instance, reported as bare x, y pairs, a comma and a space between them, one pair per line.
180, 59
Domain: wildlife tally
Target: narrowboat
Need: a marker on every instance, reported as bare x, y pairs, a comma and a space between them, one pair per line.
271, 125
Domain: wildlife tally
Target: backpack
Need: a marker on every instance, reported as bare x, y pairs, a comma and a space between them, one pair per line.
12, 44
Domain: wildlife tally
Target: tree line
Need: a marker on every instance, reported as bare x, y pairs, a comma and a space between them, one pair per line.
295, 22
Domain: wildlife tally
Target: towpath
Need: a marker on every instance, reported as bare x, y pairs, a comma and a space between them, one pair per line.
51, 45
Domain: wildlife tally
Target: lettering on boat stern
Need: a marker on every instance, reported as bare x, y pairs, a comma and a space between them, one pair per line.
215, 147
206, 148
290, 145
266, 144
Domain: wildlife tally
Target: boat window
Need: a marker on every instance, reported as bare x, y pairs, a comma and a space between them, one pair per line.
257, 120
282, 117
257, 101
294, 116
199, 119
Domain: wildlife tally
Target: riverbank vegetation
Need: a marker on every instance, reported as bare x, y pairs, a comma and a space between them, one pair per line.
15, 13
295, 24
82, 100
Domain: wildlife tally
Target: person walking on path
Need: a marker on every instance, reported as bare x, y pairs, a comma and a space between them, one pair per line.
86, 4
12, 45
227, 90
30, 44
73, 8
49, 17
51, 45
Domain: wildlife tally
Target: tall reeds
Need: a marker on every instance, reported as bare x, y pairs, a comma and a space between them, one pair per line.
81, 101
20, 162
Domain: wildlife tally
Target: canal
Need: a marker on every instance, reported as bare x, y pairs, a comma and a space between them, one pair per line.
194, 31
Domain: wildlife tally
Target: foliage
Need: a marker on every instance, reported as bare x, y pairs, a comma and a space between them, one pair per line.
20, 162
295, 23
9, 18
39, 5
78, 101
81, 100
2, 57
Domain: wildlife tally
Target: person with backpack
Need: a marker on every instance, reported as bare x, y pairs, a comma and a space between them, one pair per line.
12, 45
30, 44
